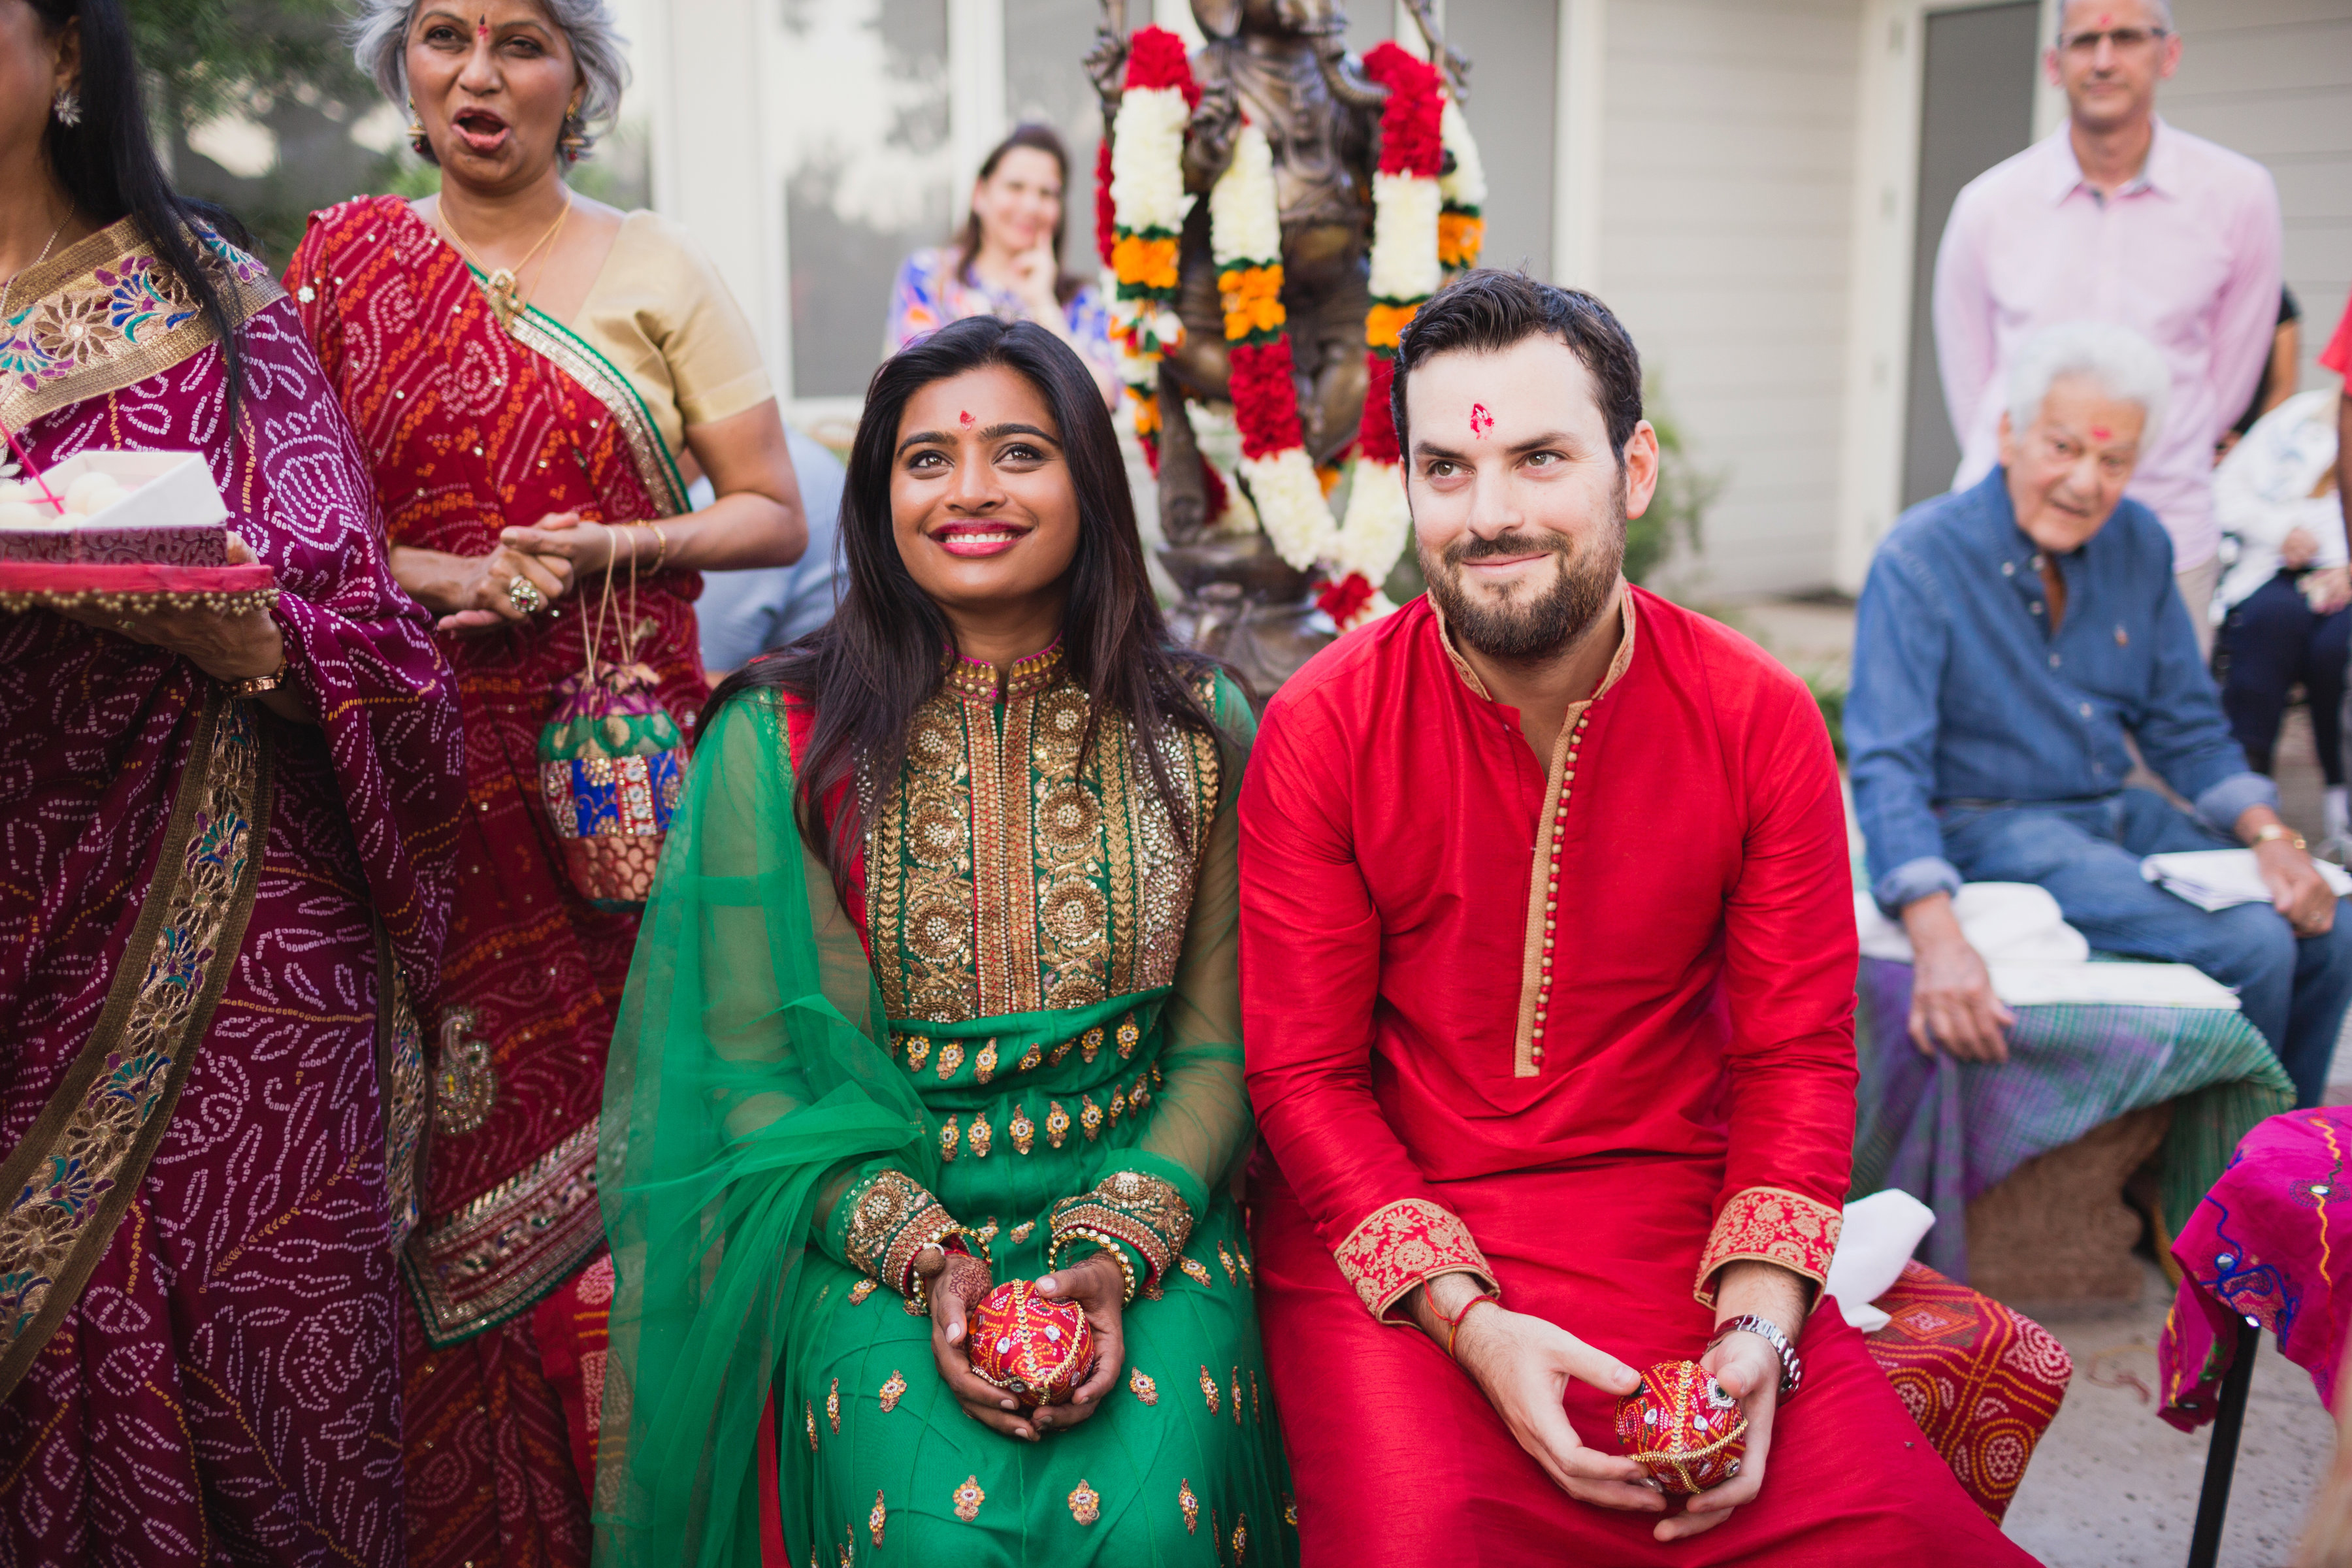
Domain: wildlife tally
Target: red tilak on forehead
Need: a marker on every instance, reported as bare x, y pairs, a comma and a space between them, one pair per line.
2100, 433
963, 417
482, 28
1480, 421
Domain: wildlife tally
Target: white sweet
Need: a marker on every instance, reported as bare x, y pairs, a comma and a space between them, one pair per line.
18, 490
91, 492
20, 514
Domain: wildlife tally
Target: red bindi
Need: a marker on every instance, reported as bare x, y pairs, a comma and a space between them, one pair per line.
482, 28
1480, 421
2100, 433
963, 417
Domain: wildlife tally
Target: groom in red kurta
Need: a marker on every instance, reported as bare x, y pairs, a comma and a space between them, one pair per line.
1547, 959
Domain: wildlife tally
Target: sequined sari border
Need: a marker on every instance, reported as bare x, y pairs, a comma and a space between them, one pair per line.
244, 293
143, 956
573, 355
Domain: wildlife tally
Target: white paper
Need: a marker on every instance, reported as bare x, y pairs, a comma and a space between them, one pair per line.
2223, 879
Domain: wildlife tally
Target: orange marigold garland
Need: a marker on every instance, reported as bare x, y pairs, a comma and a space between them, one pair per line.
1428, 192
1140, 185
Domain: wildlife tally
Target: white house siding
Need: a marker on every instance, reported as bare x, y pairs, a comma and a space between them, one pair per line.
1728, 157
2272, 79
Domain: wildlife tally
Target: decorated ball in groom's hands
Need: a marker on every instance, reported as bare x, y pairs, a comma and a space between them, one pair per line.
1683, 1427
1035, 1349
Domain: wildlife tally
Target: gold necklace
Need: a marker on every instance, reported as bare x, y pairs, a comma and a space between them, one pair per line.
10, 287
501, 284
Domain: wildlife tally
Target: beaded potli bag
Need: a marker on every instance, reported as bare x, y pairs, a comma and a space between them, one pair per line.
612, 763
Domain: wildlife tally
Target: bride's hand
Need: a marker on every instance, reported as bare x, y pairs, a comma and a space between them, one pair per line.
953, 1281
1096, 1285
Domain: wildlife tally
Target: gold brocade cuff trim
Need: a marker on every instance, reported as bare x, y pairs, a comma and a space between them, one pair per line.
1143, 1212
1400, 1245
889, 1222
1770, 1225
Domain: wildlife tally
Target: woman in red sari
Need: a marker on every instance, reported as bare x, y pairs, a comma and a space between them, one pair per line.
535, 378
224, 844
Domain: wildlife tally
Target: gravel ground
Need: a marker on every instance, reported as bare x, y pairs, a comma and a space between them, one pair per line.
2112, 1486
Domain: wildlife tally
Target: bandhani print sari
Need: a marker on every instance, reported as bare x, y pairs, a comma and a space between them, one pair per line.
1021, 1018
212, 923
469, 428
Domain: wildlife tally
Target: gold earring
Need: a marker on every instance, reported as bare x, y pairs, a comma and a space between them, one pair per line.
575, 142
416, 138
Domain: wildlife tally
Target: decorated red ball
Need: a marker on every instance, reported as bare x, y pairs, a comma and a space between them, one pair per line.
1683, 1427
1035, 1349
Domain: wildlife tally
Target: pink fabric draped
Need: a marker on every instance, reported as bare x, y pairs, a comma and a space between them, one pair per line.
226, 1389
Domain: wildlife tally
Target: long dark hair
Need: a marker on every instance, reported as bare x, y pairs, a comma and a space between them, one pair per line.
108, 166
882, 656
1041, 139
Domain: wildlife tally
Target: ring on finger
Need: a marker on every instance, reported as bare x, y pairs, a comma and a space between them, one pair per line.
524, 595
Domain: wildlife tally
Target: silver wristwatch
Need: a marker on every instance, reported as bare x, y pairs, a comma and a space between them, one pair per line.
1793, 1368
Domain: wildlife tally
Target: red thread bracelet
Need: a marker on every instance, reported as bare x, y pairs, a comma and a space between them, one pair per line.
1454, 1323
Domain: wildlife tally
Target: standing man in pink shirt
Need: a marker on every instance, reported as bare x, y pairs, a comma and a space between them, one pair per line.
2118, 217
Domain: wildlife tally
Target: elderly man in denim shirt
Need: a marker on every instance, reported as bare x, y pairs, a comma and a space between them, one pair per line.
2008, 637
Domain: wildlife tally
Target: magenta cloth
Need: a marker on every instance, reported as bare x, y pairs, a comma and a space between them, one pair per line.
2187, 255
2272, 1245
226, 1388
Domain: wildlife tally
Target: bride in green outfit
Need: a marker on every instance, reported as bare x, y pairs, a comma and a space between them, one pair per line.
938, 988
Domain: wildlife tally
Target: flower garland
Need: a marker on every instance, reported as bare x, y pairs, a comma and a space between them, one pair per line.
1145, 194
1407, 235
1424, 226
1461, 222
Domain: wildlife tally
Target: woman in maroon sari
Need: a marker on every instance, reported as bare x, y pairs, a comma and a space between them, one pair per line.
535, 378
225, 847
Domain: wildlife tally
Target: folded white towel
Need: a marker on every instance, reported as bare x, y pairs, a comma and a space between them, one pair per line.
2006, 923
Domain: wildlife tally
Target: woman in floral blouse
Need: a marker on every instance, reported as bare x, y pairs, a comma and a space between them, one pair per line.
1006, 262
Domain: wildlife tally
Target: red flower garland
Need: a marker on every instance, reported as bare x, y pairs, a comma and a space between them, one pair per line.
1378, 438
1410, 139
1105, 212
1266, 400
1156, 58
1343, 599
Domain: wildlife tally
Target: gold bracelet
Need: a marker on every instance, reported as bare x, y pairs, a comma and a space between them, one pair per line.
1108, 1243
663, 540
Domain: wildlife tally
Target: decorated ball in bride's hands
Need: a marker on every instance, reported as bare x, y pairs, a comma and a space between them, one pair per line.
1683, 1427
1036, 1349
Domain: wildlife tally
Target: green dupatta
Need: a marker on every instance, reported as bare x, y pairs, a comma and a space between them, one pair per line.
744, 1069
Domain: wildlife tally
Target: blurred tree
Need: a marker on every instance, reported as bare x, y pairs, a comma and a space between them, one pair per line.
282, 69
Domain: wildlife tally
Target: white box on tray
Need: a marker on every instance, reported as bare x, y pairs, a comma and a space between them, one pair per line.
169, 513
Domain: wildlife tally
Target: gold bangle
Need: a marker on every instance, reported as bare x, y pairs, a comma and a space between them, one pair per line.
1108, 1243
662, 556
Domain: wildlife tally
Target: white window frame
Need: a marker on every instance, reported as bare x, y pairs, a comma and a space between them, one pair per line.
1885, 213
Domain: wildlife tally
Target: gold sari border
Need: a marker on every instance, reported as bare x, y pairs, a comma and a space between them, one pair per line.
74, 1175
495, 1256
574, 355
106, 313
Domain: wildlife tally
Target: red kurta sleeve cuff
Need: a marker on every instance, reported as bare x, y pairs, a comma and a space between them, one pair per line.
1400, 1245
1770, 1225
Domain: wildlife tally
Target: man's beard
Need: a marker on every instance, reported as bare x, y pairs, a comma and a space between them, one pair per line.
1529, 629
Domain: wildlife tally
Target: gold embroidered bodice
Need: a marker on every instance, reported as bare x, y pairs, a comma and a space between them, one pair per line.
1003, 876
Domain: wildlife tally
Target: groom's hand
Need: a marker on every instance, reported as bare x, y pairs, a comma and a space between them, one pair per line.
1522, 1364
